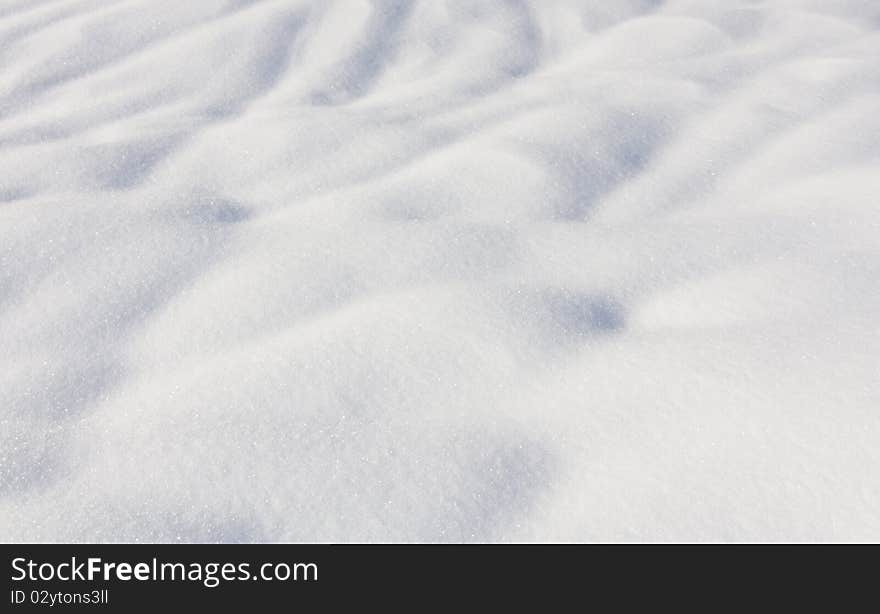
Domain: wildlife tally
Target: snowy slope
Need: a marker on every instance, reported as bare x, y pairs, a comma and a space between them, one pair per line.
424, 270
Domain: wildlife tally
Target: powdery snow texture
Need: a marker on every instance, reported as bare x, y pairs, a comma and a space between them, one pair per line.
423, 270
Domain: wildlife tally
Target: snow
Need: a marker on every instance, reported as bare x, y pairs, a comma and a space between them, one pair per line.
412, 270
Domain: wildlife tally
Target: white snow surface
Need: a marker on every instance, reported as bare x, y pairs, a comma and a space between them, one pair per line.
426, 270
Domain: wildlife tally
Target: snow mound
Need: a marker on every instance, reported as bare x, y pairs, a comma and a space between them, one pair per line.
411, 270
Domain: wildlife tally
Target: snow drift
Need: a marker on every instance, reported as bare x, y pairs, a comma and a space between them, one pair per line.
412, 270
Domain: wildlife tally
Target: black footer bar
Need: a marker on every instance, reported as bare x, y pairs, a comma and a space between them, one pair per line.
150, 577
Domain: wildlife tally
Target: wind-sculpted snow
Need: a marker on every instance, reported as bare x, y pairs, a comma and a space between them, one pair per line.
423, 270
